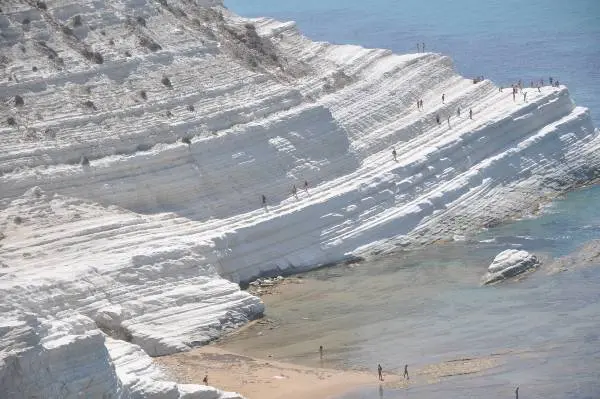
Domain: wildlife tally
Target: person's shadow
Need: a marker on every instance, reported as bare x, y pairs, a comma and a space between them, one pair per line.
380, 391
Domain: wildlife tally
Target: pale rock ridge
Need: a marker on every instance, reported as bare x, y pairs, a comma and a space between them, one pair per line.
185, 118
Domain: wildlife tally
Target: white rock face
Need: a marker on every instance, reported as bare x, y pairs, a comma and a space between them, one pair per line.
138, 139
54, 359
510, 263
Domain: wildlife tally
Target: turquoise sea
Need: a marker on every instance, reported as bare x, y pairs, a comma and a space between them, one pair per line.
428, 307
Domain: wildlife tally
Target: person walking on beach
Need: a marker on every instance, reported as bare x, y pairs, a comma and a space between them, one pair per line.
470, 113
443, 98
421, 103
264, 201
449, 122
437, 118
406, 377
321, 351
423, 47
517, 393
295, 191
524, 96
380, 372
514, 93
418, 104
458, 111
394, 154
205, 379
306, 186
550, 79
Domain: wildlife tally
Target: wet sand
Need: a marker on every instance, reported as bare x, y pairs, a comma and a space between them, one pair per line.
268, 379
265, 379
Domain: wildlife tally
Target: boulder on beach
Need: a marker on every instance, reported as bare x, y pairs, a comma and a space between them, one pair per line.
508, 264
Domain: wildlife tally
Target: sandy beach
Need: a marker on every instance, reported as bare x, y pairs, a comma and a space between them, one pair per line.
267, 379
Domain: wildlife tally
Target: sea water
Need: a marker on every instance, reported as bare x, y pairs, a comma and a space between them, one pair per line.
428, 306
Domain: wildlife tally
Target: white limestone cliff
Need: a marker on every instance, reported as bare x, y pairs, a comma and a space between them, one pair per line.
139, 136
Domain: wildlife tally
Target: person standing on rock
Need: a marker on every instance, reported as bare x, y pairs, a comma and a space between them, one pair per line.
406, 377
470, 113
306, 186
444, 98
524, 96
295, 191
394, 154
449, 122
458, 111
380, 372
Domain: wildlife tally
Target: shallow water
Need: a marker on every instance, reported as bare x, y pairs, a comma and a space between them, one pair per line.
428, 307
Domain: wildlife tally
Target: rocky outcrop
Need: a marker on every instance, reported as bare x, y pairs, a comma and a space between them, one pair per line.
508, 264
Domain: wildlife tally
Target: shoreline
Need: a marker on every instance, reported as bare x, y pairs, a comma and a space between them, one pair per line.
257, 378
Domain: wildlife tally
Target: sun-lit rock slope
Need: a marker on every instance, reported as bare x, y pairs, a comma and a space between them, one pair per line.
139, 136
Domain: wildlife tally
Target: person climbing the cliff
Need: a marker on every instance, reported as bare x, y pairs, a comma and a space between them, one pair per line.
444, 98
437, 118
394, 154
295, 191
380, 372
470, 113
406, 377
